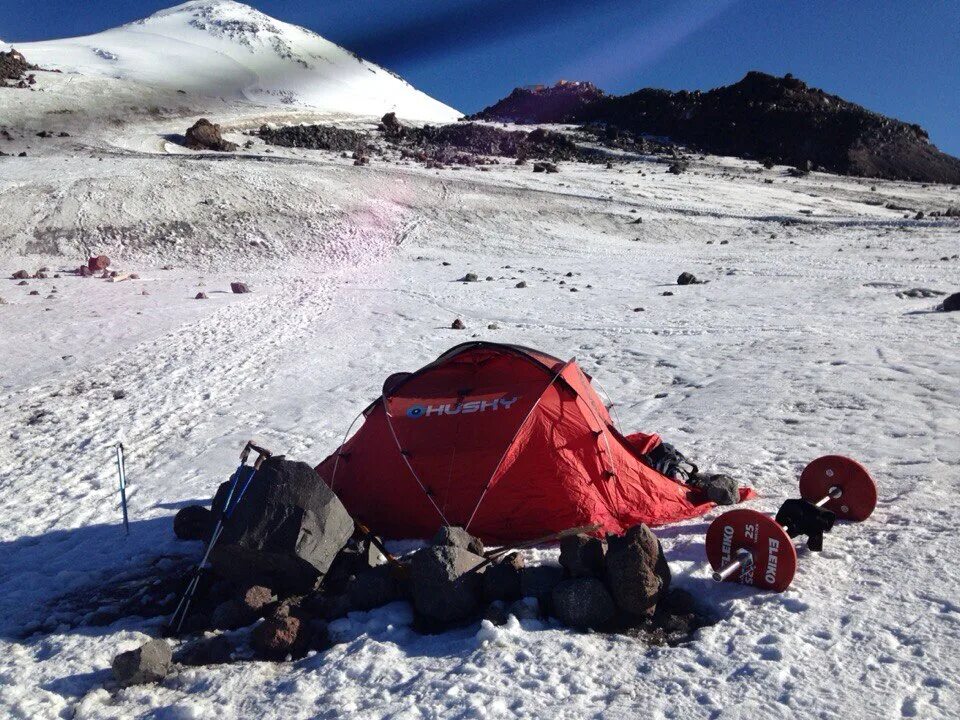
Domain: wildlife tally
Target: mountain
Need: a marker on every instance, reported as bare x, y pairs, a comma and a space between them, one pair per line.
221, 48
760, 117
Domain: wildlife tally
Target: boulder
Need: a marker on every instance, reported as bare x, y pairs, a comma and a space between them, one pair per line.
373, 588
151, 662
637, 572
582, 602
721, 489
496, 613
951, 303
527, 608
193, 522
209, 650
21, 275
458, 537
445, 587
204, 135
686, 278
501, 580
98, 263
391, 126
582, 555
201, 296
285, 633
538, 581
238, 288
457, 325
285, 530
241, 610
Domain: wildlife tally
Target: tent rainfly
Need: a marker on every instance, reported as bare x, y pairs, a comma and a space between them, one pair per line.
507, 442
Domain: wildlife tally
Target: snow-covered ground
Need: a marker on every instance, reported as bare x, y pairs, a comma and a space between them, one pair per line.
798, 346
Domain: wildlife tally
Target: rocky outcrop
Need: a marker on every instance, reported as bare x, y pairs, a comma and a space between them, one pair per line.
775, 119
563, 102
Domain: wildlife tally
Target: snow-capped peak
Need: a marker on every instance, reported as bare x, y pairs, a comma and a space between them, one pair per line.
226, 49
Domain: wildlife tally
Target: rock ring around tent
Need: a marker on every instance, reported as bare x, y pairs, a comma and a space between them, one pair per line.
507, 442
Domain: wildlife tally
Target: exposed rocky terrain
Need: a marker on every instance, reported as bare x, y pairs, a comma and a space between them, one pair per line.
762, 117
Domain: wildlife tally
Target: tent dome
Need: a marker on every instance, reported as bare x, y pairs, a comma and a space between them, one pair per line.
508, 442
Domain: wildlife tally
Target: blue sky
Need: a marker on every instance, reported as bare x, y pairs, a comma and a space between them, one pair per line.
901, 58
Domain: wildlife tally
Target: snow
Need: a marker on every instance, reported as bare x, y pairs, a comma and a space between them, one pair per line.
225, 49
797, 347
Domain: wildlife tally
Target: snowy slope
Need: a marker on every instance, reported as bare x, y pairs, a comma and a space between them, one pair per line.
224, 49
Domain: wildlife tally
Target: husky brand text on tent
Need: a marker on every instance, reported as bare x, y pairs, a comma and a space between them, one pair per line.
473, 406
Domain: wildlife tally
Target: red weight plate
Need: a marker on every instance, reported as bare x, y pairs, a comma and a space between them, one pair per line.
774, 556
859, 496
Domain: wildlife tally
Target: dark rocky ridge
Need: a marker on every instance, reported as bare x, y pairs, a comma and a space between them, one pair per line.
761, 117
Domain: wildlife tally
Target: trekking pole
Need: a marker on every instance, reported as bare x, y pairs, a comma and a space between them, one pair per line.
122, 470
229, 505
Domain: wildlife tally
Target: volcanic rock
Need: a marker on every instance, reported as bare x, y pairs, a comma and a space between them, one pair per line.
445, 587
951, 303
21, 275
239, 288
205, 135
501, 580
582, 602
286, 529
582, 555
637, 572
193, 522
151, 662
284, 633
458, 537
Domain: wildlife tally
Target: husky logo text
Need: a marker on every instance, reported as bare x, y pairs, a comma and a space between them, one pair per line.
473, 406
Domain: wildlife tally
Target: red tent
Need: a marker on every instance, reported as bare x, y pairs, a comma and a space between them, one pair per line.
508, 442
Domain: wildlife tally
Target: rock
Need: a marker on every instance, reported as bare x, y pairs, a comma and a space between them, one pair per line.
951, 304
457, 325
522, 284
582, 555
201, 296
667, 293
84, 271
21, 275
538, 581
952, 211
721, 489
210, 650
285, 531
238, 288
637, 572
22, 283
919, 215
527, 608
373, 588
678, 167
33, 292
454, 536
496, 613
193, 522
242, 610
151, 662
582, 602
391, 126
686, 278
282, 634
501, 580
469, 277
119, 394
547, 167
98, 262
444, 586
204, 135
493, 326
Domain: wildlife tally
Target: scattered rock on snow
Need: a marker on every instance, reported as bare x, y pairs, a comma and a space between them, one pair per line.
285, 633
721, 489
457, 325
951, 303
98, 262
201, 296
151, 662
686, 278
21, 275
920, 293
582, 602
205, 135
238, 288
